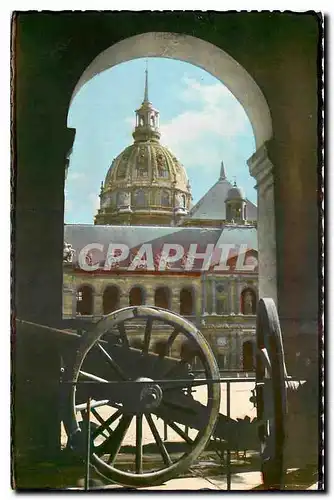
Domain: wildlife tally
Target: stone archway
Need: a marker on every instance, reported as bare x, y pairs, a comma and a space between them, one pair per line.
186, 301
136, 296
232, 74
85, 301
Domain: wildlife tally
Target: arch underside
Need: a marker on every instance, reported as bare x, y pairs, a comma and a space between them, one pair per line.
200, 53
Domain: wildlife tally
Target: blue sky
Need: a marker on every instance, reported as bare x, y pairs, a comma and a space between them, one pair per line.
200, 121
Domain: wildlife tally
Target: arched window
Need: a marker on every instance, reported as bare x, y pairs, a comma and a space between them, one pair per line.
248, 301
123, 199
110, 299
165, 198
186, 302
183, 200
162, 297
248, 356
139, 198
85, 300
136, 296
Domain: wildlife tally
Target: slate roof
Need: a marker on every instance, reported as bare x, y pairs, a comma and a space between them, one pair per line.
80, 235
212, 205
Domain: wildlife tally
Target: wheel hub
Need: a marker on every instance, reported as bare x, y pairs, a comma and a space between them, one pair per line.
150, 395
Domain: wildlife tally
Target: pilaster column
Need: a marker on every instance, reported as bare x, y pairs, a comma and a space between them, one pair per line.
175, 301
98, 304
238, 361
124, 299
213, 294
261, 169
67, 301
197, 304
231, 296
204, 295
231, 352
149, 300
74, 302
238, 297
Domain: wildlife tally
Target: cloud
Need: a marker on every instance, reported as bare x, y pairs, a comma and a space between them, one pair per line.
214, 117
76, 176
214, 111
211, 95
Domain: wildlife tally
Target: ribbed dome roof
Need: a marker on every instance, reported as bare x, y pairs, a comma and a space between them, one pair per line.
143, 163
235, 193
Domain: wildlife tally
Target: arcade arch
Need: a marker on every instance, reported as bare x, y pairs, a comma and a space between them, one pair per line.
85, 300
186, 302
136, 296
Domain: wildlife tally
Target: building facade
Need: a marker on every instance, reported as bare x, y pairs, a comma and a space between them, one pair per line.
129, 256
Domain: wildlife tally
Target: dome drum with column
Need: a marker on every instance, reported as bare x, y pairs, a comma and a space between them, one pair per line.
145, 184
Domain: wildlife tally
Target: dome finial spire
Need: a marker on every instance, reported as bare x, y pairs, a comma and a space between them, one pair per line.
146, 84
222, 176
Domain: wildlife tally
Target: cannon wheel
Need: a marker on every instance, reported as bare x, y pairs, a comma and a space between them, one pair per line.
271, 394
154, 392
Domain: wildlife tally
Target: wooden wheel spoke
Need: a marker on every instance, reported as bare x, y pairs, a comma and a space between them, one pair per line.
179, 431
139, 443
94, 404
170, 341
147, 335
165, 352
106, 423
112, 362
113, 444
162, 448
100, 420
122, 332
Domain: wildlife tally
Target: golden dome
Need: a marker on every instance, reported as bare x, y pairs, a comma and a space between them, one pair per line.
145, 184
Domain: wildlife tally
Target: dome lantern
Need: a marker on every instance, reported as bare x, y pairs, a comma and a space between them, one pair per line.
235, 205
147, 119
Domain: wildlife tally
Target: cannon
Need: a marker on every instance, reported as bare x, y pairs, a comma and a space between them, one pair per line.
114, 388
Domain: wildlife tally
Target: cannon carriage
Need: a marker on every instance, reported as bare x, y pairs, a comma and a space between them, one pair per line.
117, 400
